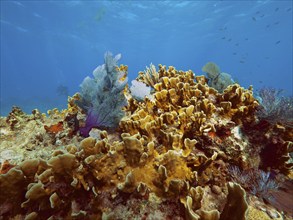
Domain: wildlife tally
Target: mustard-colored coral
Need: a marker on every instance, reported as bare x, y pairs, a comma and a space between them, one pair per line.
173, 149
150, 76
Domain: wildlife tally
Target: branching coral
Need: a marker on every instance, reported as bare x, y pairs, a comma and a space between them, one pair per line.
102, 97
150, 76
186, 109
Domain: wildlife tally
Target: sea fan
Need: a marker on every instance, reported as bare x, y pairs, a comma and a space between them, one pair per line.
274, 107
255, 181
262, 183
102, 97
92, 120
238, 176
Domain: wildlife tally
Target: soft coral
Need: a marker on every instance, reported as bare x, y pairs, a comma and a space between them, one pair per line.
93, 120
102, 97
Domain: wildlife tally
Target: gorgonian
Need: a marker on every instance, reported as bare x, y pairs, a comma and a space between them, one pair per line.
274, 107
102, 96
255, 181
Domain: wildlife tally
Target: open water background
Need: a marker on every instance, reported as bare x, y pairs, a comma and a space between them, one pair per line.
49, 47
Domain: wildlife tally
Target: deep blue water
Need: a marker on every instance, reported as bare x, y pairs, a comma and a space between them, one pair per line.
47, 44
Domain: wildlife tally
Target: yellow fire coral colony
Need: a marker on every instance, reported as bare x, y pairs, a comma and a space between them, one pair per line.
168, 159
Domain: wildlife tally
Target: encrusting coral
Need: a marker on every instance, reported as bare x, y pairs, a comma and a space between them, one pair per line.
170, 156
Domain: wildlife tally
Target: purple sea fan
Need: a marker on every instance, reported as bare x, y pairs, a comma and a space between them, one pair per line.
92, 121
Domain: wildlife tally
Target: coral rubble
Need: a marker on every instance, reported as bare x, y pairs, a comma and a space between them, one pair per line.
184, 151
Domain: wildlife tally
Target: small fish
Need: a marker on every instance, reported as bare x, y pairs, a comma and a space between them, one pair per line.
241, 61
234, 53
267, 58
260, 81
262, 16
223, 38
230, 39
257, 12
278, 42
277, 9
237, 44
268, 26
289, 9
246, 38
277, 22
253, 18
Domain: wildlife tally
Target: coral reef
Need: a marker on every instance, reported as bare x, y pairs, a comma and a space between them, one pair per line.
187, 151
22, 134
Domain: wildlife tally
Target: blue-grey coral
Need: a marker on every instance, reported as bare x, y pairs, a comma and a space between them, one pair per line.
217, 79
102, 97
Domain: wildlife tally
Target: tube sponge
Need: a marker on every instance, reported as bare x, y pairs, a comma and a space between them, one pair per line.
102, 97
